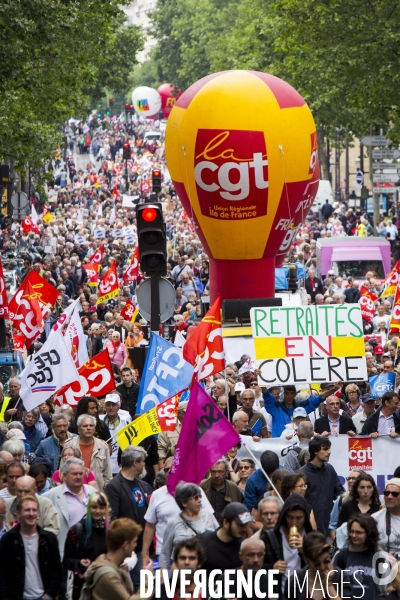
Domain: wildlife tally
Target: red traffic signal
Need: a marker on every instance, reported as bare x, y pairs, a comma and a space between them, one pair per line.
156, 173
149, 214
126, 151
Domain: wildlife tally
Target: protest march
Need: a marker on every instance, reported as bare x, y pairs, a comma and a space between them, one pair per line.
244, 452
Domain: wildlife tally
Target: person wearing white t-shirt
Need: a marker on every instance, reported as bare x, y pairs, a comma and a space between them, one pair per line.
390, 543
115, 419
162, 508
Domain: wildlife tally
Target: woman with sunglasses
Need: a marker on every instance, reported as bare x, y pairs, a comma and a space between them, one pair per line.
390, 542
245, 469
318, 573
364, 499
259, 400
87, 540
362, 543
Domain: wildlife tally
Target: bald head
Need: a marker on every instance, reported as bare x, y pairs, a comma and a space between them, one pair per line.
6, 456
25, 486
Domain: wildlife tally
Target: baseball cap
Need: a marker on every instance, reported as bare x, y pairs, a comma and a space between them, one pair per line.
394, 481
238, 512
239, 386
379, 349
112, 398
367, 398
299, 412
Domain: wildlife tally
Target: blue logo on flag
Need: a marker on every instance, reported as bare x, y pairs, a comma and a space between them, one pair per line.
382, 383
165, 374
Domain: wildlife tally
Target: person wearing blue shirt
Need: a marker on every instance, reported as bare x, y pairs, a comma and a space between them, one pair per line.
282, 412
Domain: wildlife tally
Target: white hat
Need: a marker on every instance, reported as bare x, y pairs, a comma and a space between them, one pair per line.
115, 398
16, 434
240, 387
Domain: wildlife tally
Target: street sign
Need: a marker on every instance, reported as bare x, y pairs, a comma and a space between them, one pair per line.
374, 140
383, 165
379, 154
385, 190
19, 200
359, 177
385, 177
167, 299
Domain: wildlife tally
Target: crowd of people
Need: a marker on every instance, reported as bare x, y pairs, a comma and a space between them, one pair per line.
78, 516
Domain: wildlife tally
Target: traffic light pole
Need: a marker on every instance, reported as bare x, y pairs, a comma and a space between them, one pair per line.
155, 304
126, 177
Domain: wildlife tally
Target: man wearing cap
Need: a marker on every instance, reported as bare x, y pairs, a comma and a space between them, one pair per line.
368, 409
223, 546
385, 420
388, 519
290, 430
115, 419
333, 422
167, 440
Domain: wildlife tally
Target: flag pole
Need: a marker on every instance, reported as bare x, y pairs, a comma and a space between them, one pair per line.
227, 404
262, 470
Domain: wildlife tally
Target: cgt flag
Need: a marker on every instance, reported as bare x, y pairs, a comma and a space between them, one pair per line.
158, 419
32, 301
379, 384
366, 302
129, 312
95, 379
92, 273
108, 287
47, 216
395, 318
204, 348
165, 374
132, 272
97, 257
206, 435
391, 281
50, 369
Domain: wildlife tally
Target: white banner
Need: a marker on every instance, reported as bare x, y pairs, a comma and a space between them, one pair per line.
49, 370
75, 339
99, 234
378, 457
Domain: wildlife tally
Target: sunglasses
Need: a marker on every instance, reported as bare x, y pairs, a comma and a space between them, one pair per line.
351, 478
394, 494
255, 384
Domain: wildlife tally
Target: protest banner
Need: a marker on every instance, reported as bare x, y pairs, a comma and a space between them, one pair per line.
165, 374
158, 419
92, 273
130, 311
379, 384
108, 287
367, 302
380, 456
96, 258
309, 344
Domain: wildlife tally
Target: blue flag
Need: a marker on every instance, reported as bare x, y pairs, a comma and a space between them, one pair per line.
382, 383
165, 374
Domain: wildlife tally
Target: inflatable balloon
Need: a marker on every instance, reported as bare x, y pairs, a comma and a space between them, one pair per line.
241, 148
147, 101
168, 98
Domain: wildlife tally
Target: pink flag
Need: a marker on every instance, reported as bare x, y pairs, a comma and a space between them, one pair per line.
205, 437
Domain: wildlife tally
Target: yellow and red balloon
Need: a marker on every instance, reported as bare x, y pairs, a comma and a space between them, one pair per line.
241, 148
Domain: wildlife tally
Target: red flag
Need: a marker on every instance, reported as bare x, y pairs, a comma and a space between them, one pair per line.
395, 319
92, 273
28, 225
132, 272
391, 281
108, 287
95, 379
3, 294
33, 301
204, 347
129, 311
18, 342
206, 435
366, 302
96, 258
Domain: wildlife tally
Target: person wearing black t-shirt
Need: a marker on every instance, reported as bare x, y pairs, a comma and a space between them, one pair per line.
128, 390
222, 547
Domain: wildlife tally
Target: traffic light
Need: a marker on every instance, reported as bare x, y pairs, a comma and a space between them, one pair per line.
110, 102
126, 151
129, 108
152, 239
99, 115
156, 181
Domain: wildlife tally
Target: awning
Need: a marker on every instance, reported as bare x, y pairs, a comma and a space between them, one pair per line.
360, 253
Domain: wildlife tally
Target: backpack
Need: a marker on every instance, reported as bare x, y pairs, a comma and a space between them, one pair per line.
86, 592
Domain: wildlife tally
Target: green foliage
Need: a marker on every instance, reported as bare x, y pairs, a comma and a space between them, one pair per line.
148, 73
54, 53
